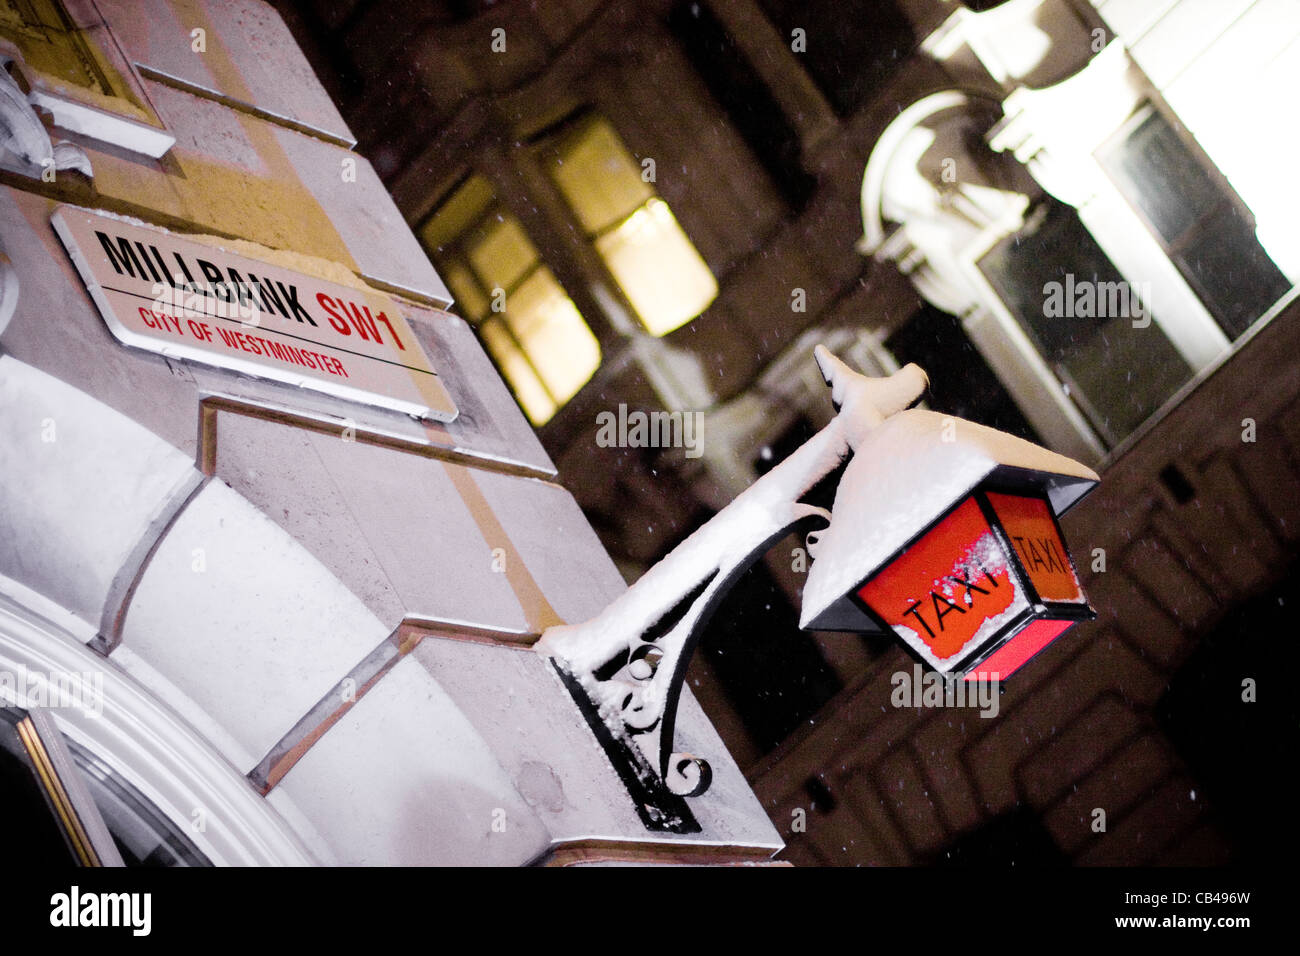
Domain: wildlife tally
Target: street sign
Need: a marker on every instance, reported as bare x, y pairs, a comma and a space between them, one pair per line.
166, 293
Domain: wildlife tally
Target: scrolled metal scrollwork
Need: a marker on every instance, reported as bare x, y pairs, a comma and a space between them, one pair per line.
630, 661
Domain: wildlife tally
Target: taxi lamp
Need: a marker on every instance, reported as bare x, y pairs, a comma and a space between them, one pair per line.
942, 532
969, 569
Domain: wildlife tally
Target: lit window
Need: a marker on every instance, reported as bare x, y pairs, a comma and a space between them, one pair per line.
635, 232
530, 326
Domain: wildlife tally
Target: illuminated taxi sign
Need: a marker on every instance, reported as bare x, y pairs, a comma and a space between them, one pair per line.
982, 590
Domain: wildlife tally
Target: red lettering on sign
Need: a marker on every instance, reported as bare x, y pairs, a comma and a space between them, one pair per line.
160, 321
337, 321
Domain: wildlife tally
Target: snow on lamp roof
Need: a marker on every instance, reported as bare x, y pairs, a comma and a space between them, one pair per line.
908, 472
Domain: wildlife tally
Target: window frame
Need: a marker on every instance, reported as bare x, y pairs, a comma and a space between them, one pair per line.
124, 118
547, 150
1108, 157
60, 783
147, 743
455, 251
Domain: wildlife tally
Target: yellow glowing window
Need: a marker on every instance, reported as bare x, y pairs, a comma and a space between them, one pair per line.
660, 272
462, 210
502, 253
599, 178
551, 331
530, 326
644, 247
470, 300
536, 401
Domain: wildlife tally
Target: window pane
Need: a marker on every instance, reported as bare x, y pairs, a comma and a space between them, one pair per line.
144, 837
1205, 230
463, 209
1074, 304
961, 382
528, 388
551, 330
1162, 178
1230, 271
599, 178
658, 268
470, 300
31, 833
501, 252
540, 343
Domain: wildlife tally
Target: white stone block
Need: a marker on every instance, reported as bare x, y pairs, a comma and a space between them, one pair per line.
490, 423
560, 550
403, 779
240, 618
248, 56
58, 329
1173, 43
275, 466
390, 524
540, 737
83, 490
247, 176
1132, 18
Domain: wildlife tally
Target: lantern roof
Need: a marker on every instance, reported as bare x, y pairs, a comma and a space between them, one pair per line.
907, 473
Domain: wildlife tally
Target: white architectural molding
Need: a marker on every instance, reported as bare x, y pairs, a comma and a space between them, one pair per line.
23, 134
1019, 42
882, 155
149, 746
941, 232
1055, 132
8, 289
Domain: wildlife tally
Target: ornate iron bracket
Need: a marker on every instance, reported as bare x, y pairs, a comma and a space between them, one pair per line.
626, 666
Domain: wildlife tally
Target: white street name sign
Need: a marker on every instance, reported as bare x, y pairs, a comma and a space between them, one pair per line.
160, 291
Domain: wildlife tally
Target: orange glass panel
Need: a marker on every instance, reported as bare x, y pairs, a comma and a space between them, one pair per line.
951, 590
1028, 523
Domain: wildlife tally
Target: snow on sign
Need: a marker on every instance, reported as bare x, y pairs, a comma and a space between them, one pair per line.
983, 590
183, 298
950, 590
